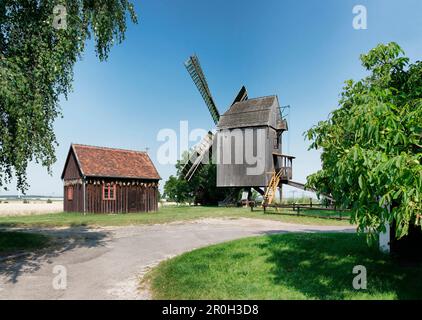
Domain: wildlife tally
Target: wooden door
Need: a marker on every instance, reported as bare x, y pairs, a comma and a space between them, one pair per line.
133, 204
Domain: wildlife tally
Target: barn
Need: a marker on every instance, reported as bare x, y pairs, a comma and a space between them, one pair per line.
109, 180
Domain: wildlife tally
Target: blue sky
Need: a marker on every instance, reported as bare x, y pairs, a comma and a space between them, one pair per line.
301, 50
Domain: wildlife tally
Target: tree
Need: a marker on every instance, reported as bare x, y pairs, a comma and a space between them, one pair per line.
178, 190
40, 42
371, 145
202, 188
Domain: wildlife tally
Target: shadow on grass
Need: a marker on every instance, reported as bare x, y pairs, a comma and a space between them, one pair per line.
62, 241
320, 266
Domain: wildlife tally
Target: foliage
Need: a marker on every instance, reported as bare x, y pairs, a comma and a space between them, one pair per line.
202, 188
178, 190
255, 195
36, 69
371, 145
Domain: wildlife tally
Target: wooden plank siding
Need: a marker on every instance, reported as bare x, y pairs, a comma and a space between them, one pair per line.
233, 144
129, 198
71, 168
77, 204
254, 126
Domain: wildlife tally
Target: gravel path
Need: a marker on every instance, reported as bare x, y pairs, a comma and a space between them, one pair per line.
107, 263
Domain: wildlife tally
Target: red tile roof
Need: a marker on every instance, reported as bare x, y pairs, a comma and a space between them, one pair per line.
116, 163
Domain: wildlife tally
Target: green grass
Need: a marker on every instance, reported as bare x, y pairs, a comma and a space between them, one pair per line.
11, 242
165, 215
285, 266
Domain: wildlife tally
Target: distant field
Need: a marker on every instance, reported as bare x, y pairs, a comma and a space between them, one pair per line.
17, 207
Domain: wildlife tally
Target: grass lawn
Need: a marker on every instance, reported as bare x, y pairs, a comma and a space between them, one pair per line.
11, 242
285, 266
165, 215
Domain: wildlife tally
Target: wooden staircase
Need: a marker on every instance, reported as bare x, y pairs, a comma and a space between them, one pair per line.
272, 188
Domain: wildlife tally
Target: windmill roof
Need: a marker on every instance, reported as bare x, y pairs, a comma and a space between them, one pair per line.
251, 113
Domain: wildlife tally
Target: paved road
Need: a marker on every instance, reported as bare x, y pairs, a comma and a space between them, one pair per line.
107, 263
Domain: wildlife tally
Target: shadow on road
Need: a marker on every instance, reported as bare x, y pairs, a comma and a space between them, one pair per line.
63, 240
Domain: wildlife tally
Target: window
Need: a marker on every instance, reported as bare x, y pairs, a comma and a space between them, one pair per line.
70, 193
109, 192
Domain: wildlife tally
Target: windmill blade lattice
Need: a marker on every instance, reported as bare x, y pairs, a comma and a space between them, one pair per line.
194, 68
202, 152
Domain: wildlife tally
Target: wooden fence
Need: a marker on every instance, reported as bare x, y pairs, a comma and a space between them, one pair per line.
301, 209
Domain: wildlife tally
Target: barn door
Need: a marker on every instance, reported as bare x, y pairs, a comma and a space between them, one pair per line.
133, 207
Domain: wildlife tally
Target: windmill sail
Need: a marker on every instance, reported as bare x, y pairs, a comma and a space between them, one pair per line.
203, 149
194, 68
200, 155
202, 152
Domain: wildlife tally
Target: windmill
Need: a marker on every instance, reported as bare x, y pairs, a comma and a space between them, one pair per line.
257, 125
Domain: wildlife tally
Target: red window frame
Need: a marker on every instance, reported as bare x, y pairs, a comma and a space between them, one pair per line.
70, 193
109, 192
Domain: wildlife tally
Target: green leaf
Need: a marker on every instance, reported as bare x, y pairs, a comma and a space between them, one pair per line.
379, 121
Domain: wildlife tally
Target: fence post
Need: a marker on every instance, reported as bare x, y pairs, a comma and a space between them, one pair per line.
310, 200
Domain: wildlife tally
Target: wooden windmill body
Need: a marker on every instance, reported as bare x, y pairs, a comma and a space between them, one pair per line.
246, 144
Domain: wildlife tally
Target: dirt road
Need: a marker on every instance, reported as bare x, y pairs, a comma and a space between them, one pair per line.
107, 263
